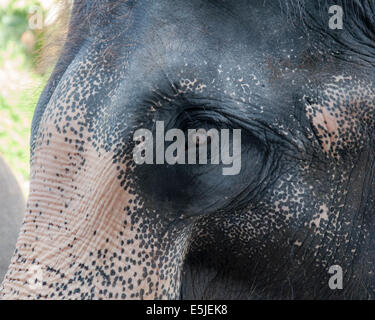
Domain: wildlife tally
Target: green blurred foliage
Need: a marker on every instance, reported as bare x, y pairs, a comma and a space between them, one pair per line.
13, 23
20, 83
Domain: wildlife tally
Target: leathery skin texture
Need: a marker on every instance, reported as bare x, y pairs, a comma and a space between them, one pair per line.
98, 226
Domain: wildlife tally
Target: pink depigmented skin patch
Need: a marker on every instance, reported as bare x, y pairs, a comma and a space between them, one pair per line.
339, 118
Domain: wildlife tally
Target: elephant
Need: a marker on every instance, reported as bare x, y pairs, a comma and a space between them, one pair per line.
296, 222
11, 214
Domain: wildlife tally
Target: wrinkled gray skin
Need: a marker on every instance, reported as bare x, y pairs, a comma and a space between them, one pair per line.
12, 207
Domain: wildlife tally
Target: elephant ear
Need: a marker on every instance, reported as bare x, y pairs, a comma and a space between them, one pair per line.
12, 207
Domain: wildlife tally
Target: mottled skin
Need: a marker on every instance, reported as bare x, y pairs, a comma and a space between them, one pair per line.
99, 226
12, 207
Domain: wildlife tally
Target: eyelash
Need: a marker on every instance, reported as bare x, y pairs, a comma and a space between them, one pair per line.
201, 119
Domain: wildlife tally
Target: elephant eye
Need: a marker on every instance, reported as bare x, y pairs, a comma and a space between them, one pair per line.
199, 137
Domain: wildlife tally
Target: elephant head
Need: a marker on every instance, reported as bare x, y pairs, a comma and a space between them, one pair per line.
100, 225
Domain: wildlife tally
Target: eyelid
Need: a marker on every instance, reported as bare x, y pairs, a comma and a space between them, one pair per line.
201, 120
